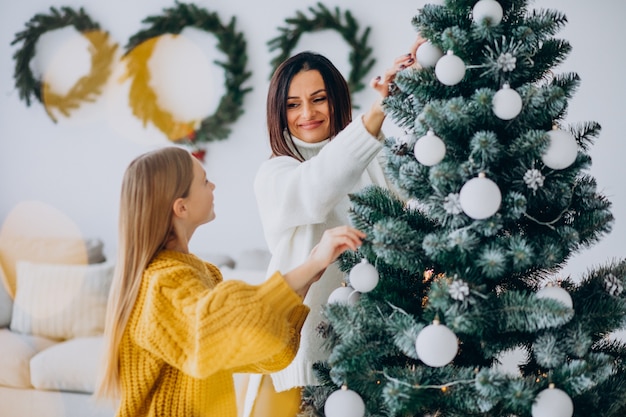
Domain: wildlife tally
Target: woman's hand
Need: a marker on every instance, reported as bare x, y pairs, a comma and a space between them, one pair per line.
332, 244
374, 118
383, 84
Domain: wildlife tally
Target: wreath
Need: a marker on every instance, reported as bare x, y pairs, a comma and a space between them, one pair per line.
322, 18
88, 87
143, 99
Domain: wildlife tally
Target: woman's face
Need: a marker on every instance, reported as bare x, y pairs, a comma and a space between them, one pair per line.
308, 112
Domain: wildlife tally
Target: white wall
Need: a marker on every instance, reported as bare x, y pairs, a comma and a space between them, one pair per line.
77, 166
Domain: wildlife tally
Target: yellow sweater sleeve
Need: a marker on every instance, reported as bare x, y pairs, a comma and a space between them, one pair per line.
195, 322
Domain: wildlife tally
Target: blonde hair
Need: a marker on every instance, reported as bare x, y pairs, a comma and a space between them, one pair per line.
151, 184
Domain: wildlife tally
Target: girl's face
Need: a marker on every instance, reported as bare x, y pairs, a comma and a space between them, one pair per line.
200, 198
308, 112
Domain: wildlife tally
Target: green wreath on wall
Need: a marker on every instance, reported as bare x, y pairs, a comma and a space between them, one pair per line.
88, 87
322, 18
230, 42
173, 21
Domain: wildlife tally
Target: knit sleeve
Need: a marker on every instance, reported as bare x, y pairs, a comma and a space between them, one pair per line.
282, 358
233, 325
291, 193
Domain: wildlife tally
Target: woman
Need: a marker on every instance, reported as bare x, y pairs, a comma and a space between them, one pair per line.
175, 332
319, 156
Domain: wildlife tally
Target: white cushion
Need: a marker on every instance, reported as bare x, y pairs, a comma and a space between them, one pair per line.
61, 301
68, 366
16, 351
38, 249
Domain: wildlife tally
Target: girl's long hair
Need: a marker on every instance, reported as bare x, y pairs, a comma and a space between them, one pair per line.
337, 91
151, 184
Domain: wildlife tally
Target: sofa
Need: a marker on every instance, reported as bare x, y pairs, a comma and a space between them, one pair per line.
53, 295
52, 310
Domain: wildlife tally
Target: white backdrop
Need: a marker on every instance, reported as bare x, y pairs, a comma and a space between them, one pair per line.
77, 165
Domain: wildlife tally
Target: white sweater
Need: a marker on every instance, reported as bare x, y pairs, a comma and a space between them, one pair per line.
297, 202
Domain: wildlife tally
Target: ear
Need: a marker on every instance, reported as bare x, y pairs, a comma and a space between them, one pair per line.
179, 208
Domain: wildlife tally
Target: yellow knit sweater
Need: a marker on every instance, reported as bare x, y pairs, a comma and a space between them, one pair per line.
189, 331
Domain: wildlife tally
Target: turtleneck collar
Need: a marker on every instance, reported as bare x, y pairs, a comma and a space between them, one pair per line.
309, 150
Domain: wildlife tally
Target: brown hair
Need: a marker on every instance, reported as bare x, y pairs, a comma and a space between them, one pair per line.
151, 184
337, 91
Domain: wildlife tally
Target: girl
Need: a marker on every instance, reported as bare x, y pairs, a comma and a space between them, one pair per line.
175, 332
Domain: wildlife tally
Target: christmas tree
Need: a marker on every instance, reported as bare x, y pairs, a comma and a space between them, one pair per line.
461, 266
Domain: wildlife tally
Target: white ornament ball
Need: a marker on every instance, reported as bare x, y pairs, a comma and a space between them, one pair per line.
344, 403
556, 293
436, 345
450, 69
363, 276
429, 150
552, 402
480, 198
354, 297
561, 151
341, 295
507, 103
488, 11
428, 54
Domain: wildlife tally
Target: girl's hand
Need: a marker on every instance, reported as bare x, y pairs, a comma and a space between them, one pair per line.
333, 243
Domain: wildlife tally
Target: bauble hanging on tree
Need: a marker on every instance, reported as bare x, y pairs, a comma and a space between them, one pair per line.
487, 11
552, 402
480, 197
507, 103
343, 295
429, 150
344, 403
450, 69
436, 345
428, 54
363, 276
557, 293
562, 150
